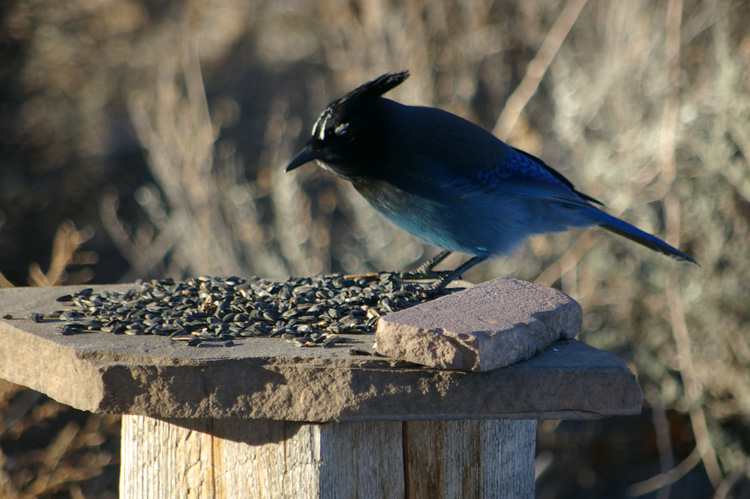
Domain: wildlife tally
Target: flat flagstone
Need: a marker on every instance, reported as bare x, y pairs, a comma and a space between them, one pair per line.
489, 326
269, 378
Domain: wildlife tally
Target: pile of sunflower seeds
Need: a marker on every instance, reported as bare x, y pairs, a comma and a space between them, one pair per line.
307, 311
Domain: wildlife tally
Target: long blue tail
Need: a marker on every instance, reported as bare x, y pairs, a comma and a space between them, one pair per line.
624, 229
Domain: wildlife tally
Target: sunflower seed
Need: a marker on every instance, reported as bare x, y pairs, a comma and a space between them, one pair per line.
226, 309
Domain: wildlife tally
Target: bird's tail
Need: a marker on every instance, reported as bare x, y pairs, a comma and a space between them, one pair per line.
614, 224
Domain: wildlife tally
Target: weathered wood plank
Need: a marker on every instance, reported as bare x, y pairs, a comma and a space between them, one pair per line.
487, 459
270, 459
260, 459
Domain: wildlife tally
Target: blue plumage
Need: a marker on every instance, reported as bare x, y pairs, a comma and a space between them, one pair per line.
447, 181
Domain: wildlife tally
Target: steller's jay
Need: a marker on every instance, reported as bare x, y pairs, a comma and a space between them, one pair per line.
449, 182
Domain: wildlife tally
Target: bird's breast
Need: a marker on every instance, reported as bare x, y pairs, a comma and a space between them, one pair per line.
439, 219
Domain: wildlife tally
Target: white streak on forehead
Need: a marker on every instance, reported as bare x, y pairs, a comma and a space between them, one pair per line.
319, 129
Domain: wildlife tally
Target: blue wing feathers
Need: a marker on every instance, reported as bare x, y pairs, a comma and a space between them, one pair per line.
522, 174
521, 168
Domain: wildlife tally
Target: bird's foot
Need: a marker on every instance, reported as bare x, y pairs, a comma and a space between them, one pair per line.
452, 275
416, 274
425, 271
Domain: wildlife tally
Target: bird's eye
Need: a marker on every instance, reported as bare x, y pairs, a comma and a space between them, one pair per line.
342, 129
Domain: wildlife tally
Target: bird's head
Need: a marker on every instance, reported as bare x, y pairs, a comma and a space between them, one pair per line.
346, 135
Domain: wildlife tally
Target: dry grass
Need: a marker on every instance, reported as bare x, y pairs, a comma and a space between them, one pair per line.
67, 251
33, 466
643, 104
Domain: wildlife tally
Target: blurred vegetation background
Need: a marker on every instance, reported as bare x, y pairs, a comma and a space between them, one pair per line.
141, 139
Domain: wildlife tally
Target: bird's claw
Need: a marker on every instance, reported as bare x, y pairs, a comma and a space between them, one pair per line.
417, 274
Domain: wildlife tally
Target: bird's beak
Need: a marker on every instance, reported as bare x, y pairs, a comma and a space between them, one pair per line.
305, 156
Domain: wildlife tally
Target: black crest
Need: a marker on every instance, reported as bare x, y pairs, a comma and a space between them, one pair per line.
341, 111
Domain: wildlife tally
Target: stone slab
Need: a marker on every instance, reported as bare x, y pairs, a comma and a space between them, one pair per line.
268, 378
489, 326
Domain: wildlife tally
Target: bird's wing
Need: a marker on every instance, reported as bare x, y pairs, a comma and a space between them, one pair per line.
523, 175
429, 136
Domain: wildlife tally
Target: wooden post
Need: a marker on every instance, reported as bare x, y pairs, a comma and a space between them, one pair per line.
266, 419
269, 459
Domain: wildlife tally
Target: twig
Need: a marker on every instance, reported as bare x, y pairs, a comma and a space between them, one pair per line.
291, 205
5, 283
64, 246
726, 485
117, 233
662, 479
142, 260
538, 66
663, 442
693, 390
173, 124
